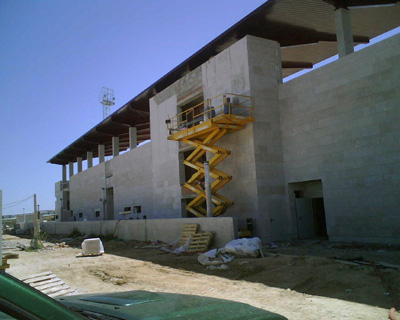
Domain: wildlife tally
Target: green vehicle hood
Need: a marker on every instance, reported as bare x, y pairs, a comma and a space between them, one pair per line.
151, 306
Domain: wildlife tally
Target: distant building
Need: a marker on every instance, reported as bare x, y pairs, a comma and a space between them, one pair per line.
321, 158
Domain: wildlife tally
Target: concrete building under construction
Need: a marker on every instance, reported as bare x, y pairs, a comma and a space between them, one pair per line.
317, 156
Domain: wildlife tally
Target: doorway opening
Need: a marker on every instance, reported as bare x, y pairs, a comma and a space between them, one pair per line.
110, 204
307, 203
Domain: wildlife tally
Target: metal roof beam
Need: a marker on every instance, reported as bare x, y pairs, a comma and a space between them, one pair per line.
353, 4
297, 64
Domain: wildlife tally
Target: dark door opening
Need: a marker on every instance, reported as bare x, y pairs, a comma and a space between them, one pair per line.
308, 205
319, 217
110, 204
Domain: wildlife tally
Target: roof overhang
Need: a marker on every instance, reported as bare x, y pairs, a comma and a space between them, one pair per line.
305, 30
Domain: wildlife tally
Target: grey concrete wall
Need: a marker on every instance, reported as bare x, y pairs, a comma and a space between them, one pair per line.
341, 125
85, 192
130, 175
166, 230
165, 153
228, 72
165, 167
252, 67
265, 75
132, 181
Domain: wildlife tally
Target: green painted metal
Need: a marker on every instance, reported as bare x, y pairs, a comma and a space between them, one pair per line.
25, 300
143, 305
146, 305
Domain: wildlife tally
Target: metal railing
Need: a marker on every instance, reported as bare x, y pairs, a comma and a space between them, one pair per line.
214, 108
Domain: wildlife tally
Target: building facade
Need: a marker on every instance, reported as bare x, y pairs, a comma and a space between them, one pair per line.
321, 159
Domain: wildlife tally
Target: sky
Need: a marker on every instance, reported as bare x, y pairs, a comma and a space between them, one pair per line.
57, 55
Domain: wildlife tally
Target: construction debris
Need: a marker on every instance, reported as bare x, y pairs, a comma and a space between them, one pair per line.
245, 247
217, 258
48, 283
61, 245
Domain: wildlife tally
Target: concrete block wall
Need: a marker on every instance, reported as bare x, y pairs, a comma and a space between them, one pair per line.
341, 124
228, 72
252, 67
85, 192
166, 230
265, 72
165, 153
130, 174
165, 167
132, 181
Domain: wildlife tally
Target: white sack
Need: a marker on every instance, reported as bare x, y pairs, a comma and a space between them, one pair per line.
244, 247
92, 246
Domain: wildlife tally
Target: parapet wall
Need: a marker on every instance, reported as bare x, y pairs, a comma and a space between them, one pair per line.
166, 230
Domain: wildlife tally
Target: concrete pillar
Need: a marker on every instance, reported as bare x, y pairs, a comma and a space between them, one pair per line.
132, 137
89, 156
115, 146
64, 173
344, 32
102, 152
79, 160
71, 169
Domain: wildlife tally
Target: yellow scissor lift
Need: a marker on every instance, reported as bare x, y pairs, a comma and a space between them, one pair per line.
201, 127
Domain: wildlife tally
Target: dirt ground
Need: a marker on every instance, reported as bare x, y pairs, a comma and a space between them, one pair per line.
297, 280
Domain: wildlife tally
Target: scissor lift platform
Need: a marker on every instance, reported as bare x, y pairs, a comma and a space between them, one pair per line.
201, 127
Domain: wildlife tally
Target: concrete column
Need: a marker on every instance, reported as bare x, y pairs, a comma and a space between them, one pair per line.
79, 160
64, 173
344, 32
71, 169
132, 137
102, 152
115, 146
89, 156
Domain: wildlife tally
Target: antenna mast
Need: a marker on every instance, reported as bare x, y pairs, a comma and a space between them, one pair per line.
107, 100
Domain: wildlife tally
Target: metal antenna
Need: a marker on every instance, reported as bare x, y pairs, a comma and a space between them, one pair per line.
107, 99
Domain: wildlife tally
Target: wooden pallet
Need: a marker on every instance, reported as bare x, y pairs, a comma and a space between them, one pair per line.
200, 242
49, 284
6, 256
187, 231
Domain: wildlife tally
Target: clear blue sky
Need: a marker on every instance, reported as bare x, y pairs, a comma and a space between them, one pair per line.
57, 55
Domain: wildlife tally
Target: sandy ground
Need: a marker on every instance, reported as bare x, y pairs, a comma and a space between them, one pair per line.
296, 286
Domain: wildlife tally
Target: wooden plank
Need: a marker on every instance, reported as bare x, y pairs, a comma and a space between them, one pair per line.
49, 285
56, 289
62, 293
4, 266
187, 231
10, 256
35, 284
48, 277
200, 242
36, 275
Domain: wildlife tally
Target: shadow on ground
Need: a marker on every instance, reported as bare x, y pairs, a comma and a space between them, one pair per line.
312, 275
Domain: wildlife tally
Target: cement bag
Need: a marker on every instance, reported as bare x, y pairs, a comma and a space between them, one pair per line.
245, 247
92, 246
